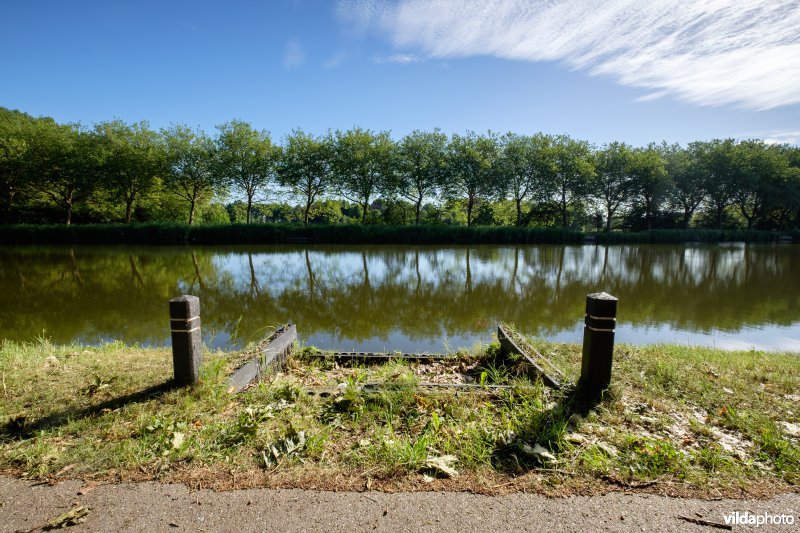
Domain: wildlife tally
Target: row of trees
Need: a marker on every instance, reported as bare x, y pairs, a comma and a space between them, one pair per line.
113, 168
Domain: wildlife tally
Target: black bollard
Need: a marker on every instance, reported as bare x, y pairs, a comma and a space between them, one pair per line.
598, 341
184, 317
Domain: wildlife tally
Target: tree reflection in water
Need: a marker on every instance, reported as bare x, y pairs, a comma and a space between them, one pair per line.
364, 296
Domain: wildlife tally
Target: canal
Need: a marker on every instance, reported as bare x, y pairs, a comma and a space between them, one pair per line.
404, 298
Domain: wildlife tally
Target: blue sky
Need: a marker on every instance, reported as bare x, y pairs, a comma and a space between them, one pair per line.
631, 71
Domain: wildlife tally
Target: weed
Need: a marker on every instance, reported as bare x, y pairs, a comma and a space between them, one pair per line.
650, 458
665, 417
713, 459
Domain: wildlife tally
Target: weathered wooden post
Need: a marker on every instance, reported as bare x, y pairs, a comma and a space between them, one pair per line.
184, 318
598, 341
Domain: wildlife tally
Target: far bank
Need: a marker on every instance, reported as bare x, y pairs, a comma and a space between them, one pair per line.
172, 234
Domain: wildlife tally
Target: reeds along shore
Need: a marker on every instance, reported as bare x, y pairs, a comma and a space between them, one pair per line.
172, 234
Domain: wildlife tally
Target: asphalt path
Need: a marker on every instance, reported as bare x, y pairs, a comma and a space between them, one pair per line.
27, 506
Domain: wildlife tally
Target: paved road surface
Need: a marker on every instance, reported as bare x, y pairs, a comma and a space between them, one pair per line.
27, 506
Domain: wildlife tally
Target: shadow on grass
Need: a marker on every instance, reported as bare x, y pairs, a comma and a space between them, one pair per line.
21, 427
547, 428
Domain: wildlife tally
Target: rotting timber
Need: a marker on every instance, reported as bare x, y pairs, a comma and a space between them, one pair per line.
268, 359
510, 342
379, 357
272, 355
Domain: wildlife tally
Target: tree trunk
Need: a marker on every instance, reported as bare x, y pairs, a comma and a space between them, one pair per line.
563, 210
191, 212
255, 290
364, 208
418, 208
416, 267
67, 198
197, 271
470, 203
129, 209
519, 211
366, 274
249, 206
687, 216
135, 275
9, 202
306, 212
469, 274
749, 217
311, 290
609, 214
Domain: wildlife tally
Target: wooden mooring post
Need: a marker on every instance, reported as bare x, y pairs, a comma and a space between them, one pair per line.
598, 342
184, 320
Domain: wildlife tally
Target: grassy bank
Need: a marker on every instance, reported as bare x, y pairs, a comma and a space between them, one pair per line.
677, 420
170, 234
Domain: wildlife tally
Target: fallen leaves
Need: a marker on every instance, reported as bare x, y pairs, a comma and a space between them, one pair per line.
291, 444
88, 487
177, 440
98, 384
442, 464
791, 429
73, 517
540, 453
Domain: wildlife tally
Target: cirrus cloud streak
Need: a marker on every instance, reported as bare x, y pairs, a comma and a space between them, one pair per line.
744, 53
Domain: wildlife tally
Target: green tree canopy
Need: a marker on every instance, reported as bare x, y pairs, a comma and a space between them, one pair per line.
191, 166
650, 183
306, 166
572, 170
421, 167
612, 181
363, 163
246, 159
473, 173
65, 164
134, 160
526, 163
720, 174
16, 138
684, 168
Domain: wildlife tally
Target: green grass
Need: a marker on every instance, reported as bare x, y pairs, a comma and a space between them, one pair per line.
170, 234
678, 236
692, 417
166, 234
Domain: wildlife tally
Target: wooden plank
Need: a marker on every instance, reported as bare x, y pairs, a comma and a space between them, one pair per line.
382, 356
276, 351
529, 350
508, 344
432, 385
270, 358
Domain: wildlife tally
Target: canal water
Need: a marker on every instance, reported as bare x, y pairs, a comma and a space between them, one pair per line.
404, 298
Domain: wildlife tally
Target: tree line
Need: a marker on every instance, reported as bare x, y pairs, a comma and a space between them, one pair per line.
115, 171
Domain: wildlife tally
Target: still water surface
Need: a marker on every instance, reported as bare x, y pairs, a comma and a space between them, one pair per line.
404, 298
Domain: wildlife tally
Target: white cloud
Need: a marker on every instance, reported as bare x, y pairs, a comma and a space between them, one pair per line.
335, 60
402, 59
708, 52
776, 136
293, 55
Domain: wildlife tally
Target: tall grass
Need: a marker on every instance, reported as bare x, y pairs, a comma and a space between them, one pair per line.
171, 234
675, 236
161, 233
